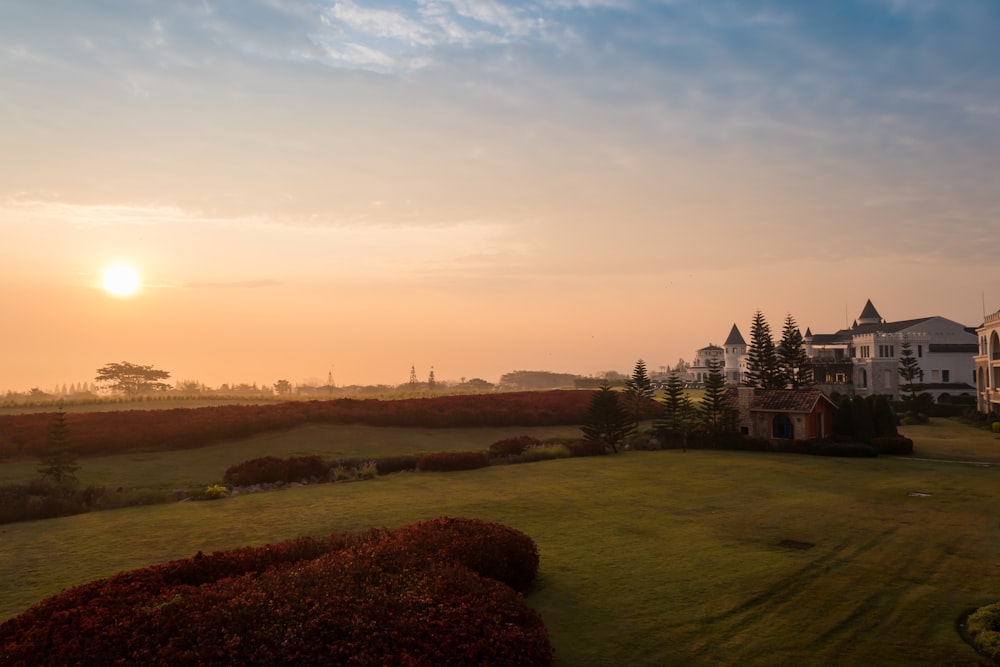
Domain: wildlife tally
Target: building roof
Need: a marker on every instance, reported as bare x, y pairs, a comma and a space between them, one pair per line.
710, 347
786, 400
869, 315
735, 337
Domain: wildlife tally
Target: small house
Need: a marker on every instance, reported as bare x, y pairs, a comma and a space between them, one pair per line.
783, 414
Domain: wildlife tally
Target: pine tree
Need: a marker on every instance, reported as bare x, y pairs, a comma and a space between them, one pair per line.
413, 376
676, 418
909, 373
715, 413
794, 366
430, 380
606, 420
762, 359
638, 389
59, 461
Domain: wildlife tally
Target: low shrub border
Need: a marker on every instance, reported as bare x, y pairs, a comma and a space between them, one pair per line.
438, 592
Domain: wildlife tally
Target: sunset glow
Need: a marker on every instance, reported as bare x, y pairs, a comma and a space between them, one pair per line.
320, 189
120, 280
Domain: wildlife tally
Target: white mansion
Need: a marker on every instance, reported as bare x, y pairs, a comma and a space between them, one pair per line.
864, 359
987, 362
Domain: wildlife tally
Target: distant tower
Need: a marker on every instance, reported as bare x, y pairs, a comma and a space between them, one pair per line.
736, 355
869, 315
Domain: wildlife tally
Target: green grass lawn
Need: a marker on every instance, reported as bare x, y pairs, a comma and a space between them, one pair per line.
647, 558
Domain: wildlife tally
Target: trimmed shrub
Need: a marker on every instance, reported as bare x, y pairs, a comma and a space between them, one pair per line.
983, 627
429, 593
513, 446
265, 470
897, 445
390, 464
545, 453
450, 461
586, 448
305, 467
995, 427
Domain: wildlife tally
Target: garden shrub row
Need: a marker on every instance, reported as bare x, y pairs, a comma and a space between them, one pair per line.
43, 499
513, 446
441, 592
450, 461
271, 470
116, 432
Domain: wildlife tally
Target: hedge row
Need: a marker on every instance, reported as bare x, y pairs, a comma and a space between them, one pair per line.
513, 446
449, 461
271, 470
438, 592
115, 432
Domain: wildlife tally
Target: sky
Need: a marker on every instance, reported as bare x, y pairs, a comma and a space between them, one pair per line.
316, 188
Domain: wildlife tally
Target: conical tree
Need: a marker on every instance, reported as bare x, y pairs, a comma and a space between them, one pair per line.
607, 420
676, 419
638, 389
794, 366
762, 360
716, 415
59, 460
909, 373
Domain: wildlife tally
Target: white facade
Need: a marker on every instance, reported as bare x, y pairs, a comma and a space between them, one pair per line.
988, 365
736, 357
698, 372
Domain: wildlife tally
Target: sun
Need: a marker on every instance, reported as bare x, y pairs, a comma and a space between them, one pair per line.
120, 280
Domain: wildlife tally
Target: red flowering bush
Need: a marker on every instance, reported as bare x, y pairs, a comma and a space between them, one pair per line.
449, 461
422, 594
513, 446
305, 467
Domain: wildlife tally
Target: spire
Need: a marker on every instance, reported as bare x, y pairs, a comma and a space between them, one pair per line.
809, 333
869, 315
735, 337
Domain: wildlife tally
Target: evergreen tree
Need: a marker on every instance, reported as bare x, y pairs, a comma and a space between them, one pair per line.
431, 383
794, 365
861, 420
843, 426
59, 460
762, 359
607, 420
884, 416
716, 415
638, 389
676, 418
910, 374
413, 376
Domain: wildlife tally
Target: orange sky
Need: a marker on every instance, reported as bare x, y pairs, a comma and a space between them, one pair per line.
324, 188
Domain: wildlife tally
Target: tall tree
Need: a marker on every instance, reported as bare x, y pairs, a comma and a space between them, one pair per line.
910, 373
762, 359
794, 366
131, 379
638, 389
607, 420
716, 415
59, 460
413, 376
676, 419
431, 382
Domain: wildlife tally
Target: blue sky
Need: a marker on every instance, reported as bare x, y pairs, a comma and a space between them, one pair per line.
619, 179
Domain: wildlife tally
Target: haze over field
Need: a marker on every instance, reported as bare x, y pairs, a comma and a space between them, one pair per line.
314, 187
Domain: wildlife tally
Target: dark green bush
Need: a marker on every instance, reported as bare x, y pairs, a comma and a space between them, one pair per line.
586, 448
306, 467
450, 461
897, 445
388, 464
513, 446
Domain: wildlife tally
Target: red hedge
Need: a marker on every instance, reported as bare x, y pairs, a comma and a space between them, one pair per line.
513, 446
422, 594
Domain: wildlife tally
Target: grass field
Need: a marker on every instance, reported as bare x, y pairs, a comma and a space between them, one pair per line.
648, 558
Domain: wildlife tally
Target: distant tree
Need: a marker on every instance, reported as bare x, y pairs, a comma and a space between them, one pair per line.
762, 360
530, 380
58, 462
717, 416
681, 366
638, 389
862, 419
883, 416
677, 417
282, 387
131, 379
910, 373
431, 383
413, 376
794, 366
607, 420
843, 427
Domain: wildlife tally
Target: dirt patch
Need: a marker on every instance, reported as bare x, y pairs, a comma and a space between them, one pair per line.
795, 544
919, 494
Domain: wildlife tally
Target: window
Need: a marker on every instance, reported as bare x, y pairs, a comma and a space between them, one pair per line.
945, 376
920, 350
935, 375
887, 351
864, 351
